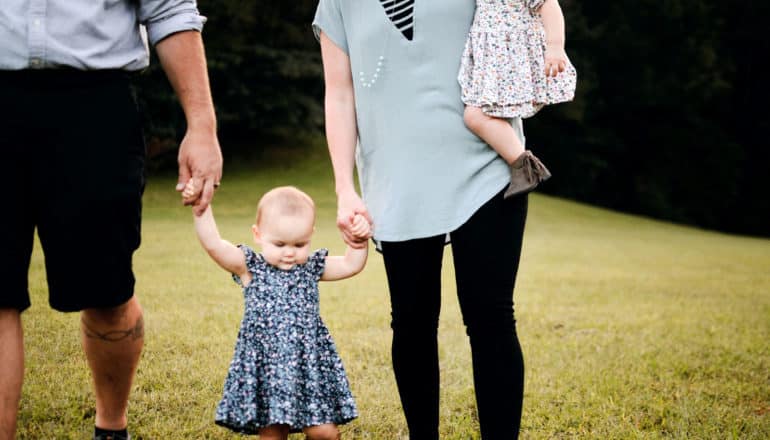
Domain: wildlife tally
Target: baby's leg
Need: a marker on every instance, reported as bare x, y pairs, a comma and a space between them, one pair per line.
327, 431
526, 170
274, 432
497, 132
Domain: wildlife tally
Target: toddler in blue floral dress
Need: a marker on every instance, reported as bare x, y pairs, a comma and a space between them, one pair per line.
285, 375
513, 64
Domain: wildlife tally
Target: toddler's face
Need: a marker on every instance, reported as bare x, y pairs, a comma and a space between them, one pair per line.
285, 239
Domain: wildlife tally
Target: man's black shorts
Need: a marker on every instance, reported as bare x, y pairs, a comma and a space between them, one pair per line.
73, 159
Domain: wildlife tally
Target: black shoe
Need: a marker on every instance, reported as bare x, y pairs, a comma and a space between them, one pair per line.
112, 437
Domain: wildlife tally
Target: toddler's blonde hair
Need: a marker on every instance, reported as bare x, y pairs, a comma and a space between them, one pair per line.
285, 200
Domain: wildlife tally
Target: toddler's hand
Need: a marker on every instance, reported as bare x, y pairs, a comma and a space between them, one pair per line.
189, 192
361, 229
555, 59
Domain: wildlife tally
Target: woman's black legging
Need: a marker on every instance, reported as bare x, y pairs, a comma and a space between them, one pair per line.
486, 252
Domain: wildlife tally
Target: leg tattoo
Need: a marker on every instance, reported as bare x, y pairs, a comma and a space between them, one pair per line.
135, 333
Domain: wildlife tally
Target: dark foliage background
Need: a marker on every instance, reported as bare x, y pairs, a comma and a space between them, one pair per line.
668, 120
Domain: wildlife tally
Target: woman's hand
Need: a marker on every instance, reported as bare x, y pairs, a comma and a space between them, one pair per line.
555, 59
349, 207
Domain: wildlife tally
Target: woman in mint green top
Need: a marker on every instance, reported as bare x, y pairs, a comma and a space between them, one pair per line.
393, 109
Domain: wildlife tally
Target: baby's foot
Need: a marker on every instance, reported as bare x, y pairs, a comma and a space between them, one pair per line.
526, 173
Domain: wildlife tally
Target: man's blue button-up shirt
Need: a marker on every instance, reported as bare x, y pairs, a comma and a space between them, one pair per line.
89, 34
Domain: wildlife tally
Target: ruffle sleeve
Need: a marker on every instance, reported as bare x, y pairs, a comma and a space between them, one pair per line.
252, 260
316, 262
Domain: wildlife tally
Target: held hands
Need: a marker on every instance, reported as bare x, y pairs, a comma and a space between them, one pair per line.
356, 228
200, 158
555, 59
353, 220
189, 192
360, 228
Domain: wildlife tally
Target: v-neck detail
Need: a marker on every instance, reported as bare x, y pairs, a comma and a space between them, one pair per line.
401, 15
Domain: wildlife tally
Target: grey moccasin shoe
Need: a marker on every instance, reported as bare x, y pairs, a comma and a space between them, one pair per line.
526, 173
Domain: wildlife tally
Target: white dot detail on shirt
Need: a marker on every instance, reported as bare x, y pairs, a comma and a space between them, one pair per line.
373, 78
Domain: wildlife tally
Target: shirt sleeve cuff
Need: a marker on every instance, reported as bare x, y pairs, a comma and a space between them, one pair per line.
335, 37
189, 20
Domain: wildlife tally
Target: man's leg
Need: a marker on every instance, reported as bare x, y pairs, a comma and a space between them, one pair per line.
89, 236
19, 144
11, 370
112, 340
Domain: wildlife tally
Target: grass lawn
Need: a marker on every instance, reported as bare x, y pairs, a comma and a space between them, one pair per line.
631, 328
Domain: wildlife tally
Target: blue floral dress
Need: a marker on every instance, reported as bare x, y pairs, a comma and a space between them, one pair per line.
285, 369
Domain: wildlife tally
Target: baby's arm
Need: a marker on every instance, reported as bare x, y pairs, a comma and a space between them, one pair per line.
553, 22
224, 253
354, 260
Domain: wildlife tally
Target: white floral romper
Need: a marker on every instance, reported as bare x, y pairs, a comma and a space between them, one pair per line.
503, 65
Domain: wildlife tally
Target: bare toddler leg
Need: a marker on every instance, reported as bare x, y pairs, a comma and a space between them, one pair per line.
526, 169
497, 132
327, 431
274, 432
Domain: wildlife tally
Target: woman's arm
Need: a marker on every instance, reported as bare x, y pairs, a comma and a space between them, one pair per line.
553, 22
224, 253
341, 135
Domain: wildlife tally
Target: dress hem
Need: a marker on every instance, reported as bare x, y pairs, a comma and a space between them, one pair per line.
293, 428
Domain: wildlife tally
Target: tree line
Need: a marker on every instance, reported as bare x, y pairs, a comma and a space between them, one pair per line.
667, 120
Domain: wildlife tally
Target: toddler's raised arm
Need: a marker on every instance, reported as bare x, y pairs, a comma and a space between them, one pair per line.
224, 253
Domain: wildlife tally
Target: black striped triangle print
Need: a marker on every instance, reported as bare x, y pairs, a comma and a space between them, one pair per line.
401, 13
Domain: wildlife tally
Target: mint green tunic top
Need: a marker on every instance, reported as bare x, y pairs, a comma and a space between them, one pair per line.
422, 172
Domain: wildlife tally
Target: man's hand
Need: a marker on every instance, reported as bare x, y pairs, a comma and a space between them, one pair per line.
200, 158
182, 57
350, 206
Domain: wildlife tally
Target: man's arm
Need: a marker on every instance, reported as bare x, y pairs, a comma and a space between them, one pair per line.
182, 57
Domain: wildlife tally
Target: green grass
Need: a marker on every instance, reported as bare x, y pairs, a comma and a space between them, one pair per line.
631, 328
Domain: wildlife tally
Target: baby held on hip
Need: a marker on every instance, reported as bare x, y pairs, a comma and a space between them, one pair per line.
514, 78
